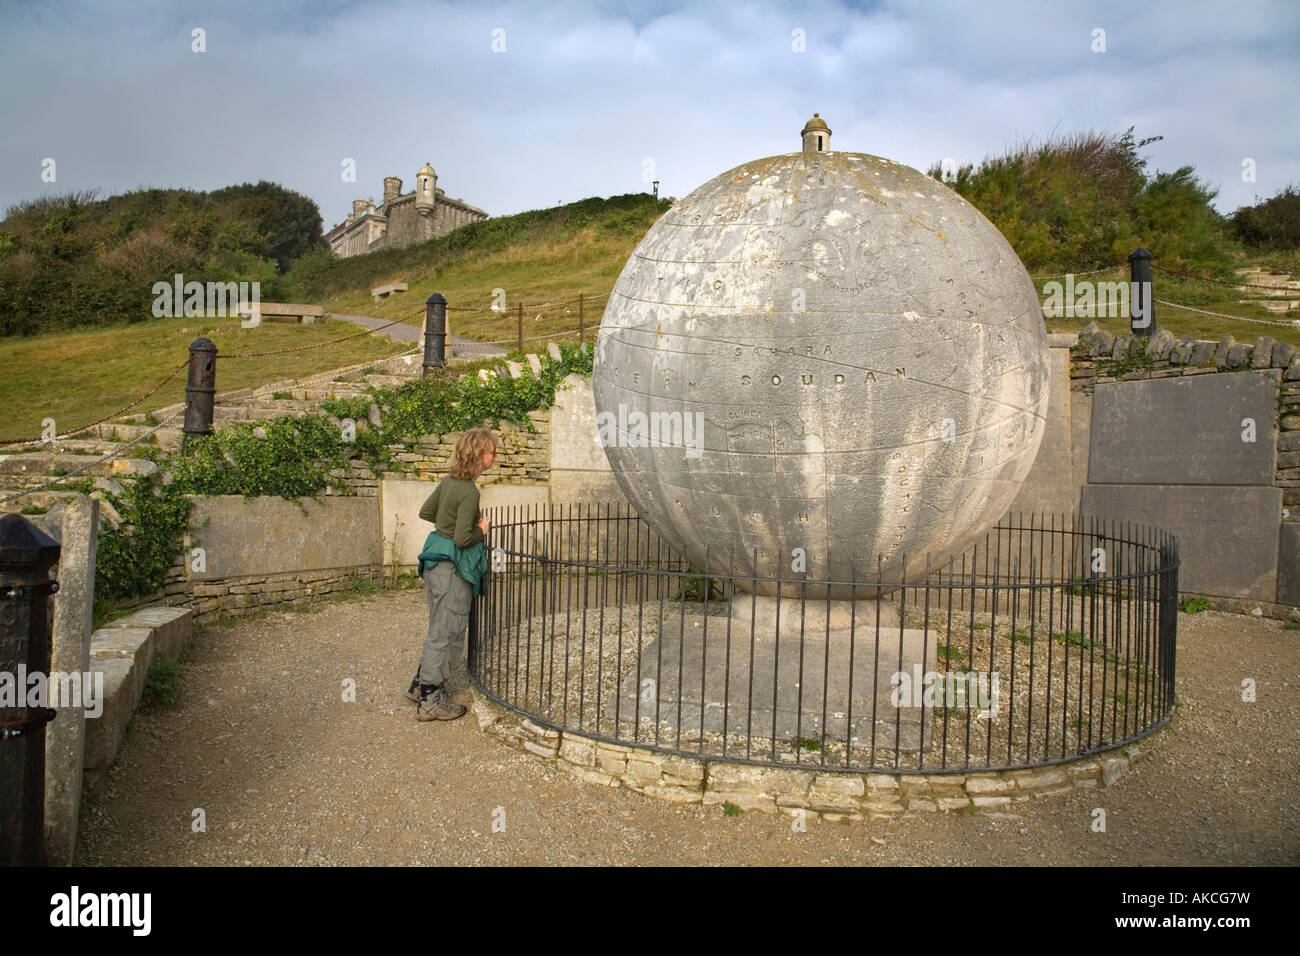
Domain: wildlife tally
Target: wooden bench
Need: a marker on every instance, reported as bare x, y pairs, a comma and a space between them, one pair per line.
290, 312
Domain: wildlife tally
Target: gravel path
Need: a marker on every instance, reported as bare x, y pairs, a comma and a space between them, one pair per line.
401, 332
288, 773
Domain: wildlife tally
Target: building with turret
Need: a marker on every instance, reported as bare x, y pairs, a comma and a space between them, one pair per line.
401, 220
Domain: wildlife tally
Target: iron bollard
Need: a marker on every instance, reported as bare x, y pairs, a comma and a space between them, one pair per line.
26, 556
1142, 306
201, 388
435, 332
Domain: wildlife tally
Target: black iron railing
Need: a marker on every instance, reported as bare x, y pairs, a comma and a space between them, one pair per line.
1050, 639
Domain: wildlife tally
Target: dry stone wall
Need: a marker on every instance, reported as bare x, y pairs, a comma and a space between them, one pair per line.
833, 795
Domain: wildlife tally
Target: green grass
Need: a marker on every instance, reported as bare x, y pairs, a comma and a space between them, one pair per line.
1291, 626
1193, 605
810, 743
105, 612
948, 653
1022, 637
1207, 296
78, 376
539, 257
731, 810
162, 683
1072, 639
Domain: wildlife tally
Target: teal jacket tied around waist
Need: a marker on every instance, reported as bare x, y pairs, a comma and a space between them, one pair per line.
470, 562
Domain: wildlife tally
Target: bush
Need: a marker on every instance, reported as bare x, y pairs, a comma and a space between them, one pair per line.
1085, 202
1274, 223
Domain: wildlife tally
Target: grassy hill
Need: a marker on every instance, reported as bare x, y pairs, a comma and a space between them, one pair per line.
74, 260
543, 259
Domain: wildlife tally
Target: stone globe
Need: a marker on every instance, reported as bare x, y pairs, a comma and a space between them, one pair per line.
821, 365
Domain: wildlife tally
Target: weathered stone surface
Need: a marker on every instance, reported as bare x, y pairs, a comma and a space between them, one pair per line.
693, 680
952, 803
121, 694
1234, 555
553, 351
743, 799
674, 794
1188, 430
843, 785
1049, 487
171, 626
534, 365
1226, 344
541, 748
1112, 769
70, 653
1238, 355
1288, 565
987, 785
1203, 353
682, 772
987, 802
1283, 353
244, 536
1262, 354
1041, 779
578, 751
1158, 345
922, 805
701, 321
734, 777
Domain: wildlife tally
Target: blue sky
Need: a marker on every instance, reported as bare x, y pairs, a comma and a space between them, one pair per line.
587, 98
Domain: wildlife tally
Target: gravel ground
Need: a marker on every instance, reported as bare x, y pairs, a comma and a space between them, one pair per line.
286, 772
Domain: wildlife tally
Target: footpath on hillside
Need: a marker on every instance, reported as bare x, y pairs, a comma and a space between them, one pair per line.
401, 332
286, 772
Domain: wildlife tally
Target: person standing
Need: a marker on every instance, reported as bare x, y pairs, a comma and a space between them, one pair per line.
451, 566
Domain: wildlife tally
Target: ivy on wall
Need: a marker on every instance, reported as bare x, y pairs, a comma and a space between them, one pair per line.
292, 457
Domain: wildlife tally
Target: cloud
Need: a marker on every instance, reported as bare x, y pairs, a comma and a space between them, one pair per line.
584, 94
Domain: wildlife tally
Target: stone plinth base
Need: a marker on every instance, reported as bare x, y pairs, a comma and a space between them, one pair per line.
762, 678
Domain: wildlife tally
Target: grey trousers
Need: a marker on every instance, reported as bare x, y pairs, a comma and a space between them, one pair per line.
450, 597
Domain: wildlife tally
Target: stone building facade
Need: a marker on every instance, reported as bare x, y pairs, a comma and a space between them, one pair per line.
401, 219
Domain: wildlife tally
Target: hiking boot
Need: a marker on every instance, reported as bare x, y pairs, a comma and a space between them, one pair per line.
413, 692
436, 705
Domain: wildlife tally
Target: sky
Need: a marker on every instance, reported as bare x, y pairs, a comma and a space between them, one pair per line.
525, 105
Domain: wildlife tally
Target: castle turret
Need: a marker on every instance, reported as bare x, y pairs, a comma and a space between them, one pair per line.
426, 188
816, 135
358, 208
392, 189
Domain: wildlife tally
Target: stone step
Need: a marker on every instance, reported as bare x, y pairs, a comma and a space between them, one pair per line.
43, 465
168, 438
286, 405
253, 413
1276, 305
91, 447
37, 499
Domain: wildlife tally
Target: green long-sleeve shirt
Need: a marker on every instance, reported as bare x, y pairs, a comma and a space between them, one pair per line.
453, 509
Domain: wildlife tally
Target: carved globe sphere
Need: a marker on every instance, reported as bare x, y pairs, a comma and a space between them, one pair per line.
829, 352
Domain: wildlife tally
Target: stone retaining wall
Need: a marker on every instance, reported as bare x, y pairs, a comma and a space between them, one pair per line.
833, 795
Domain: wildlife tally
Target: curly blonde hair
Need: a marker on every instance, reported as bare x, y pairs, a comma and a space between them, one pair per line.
467, 459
